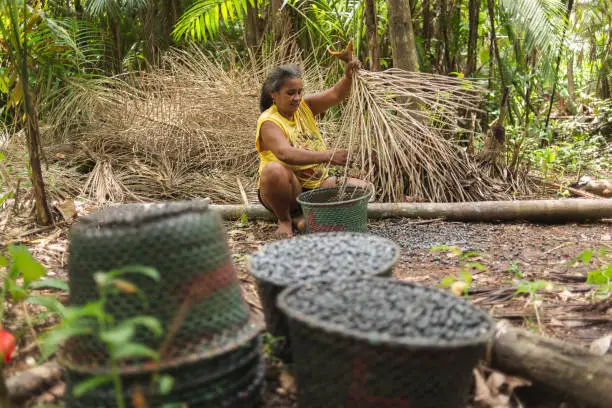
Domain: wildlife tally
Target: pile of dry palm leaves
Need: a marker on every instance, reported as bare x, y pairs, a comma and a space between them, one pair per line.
184, 130
401, 129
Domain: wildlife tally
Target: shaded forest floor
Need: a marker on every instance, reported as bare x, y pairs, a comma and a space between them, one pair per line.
514, 255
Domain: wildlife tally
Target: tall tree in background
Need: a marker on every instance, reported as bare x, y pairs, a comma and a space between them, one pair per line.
371, 22
16, 21
403, 46
472, 46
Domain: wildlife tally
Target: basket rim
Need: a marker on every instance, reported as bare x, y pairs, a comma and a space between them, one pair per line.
300, 198
373, 338
322, 235
252, 328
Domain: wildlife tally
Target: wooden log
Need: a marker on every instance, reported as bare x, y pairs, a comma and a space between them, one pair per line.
28, 383
563, 368
482, 211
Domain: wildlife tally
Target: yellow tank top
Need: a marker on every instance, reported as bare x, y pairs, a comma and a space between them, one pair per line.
302, 133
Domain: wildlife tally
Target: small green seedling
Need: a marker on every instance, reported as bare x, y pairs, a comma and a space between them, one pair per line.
532, 288
601, 276
515, 270
460, 284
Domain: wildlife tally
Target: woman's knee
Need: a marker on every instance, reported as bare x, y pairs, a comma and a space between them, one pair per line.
275, 173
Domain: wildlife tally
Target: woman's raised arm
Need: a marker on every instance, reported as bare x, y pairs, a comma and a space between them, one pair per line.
322, 101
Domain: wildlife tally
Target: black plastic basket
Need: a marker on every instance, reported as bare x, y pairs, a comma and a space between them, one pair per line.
333, 255
186, 242
335, 209
381, 365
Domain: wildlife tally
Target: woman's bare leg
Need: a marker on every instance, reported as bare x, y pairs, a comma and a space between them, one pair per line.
279, 189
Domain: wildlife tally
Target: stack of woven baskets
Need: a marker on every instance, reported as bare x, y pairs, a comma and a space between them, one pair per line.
211, 345
358, 338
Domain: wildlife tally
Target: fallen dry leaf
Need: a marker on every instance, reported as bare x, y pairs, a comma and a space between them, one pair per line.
482, 392
606, 237
601, 346
67, 209
287, 382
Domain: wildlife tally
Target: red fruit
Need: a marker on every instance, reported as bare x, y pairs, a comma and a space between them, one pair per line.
7, 345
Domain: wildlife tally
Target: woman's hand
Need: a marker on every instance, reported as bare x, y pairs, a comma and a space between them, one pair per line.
351, 67
338, 157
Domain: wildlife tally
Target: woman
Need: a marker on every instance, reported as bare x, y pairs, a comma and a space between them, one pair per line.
293, 155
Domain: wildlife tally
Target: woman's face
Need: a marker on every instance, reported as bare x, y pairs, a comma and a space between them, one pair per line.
289, 96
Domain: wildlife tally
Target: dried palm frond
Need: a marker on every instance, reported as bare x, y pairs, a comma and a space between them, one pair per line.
398, 125
183, 130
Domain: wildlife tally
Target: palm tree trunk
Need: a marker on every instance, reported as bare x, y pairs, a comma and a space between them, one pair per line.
371, 21
279, 26
427, 31
149, 33
402, 36
570, 5
472, 51
252, 25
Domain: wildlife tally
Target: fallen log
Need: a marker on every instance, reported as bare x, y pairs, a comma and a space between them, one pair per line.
528, 210
28, 383
566, 369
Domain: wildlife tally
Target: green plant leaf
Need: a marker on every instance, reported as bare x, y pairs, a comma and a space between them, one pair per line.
119, 335
584, 257
134, 350
3, 261
470, 254
143, 270
91, 309
150, 323
25, 264
53, 283
447, 282
466, 277
90, 384
52, 340
50, 302
17, 292
476, 265
166, 382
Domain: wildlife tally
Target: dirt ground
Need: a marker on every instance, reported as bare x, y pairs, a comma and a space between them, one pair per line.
513, 254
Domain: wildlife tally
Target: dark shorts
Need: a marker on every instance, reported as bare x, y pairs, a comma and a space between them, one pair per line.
295, 213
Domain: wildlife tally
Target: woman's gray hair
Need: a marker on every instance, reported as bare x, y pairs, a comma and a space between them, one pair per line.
273, 83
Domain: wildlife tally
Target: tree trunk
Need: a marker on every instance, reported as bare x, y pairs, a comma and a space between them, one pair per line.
570, 72
252, 25
116, 32
279, 24
472, 51
568, 210
402, 36
43, 215
564, 368
149, 33
427, 33
371, 21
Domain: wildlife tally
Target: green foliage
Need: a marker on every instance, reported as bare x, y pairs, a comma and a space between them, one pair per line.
601, 275
463, 280
270, 344
24, 273
202, 21
515, 270
118, 336
533, 289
